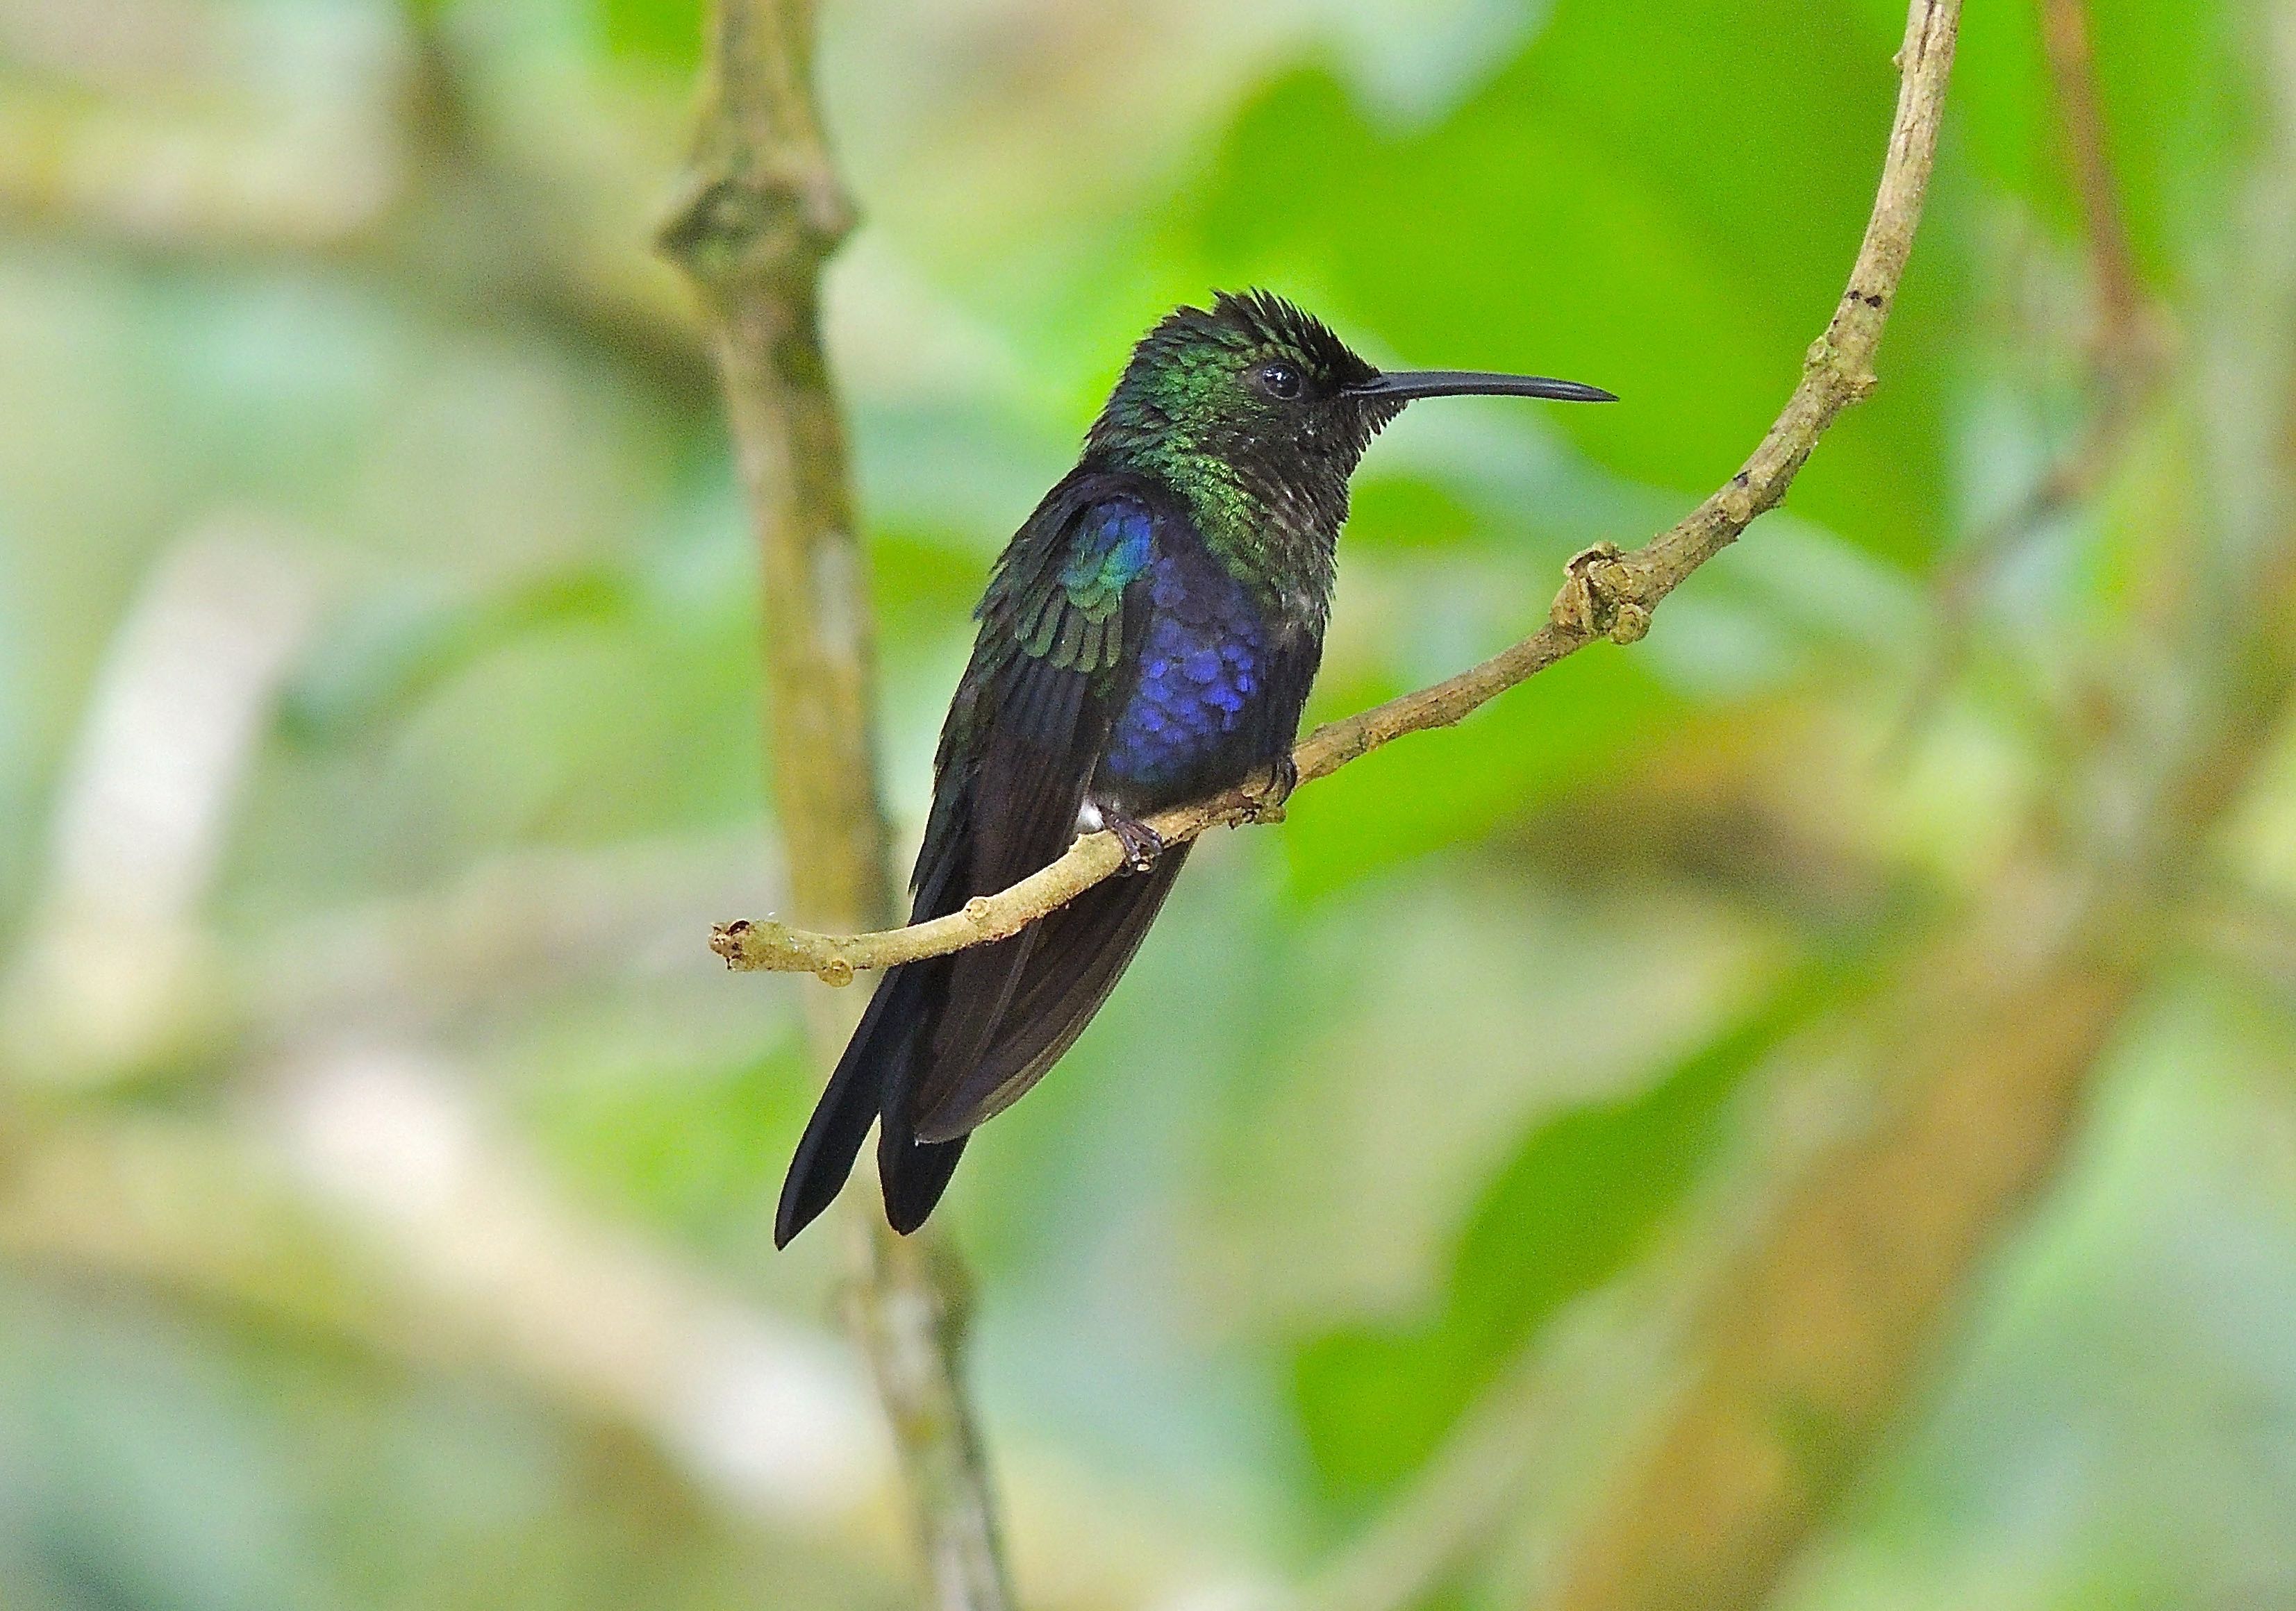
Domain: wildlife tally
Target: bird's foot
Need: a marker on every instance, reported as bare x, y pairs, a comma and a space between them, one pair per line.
1264, 797
1142, 844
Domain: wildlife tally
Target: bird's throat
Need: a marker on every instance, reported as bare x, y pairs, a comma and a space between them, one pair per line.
1276, 533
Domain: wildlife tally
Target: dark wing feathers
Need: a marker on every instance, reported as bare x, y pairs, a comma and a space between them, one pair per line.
1022, 738
1073, 958
1014, 1007
1039, 728
1080, 952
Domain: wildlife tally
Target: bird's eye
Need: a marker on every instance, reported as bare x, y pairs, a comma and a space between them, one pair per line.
1278, 380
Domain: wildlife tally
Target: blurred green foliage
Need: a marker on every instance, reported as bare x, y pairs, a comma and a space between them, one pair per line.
1579, 1199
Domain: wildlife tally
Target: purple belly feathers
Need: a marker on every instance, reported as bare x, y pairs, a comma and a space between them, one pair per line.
1202, 667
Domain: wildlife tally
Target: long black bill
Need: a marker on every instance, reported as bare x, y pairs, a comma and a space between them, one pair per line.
1404, 385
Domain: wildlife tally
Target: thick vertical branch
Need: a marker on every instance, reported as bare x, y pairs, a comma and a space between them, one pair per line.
1811, 1341
761, 212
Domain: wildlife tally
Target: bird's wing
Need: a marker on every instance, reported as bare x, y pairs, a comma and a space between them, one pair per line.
1026, 726
1079, 953
1082, 949
1022, 739
1076, 955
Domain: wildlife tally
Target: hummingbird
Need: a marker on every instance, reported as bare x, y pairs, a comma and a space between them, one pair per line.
1147, 638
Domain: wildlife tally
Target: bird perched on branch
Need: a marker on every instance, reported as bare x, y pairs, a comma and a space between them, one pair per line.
1147, 639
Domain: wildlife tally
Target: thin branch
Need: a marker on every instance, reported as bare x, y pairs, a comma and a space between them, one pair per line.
1605, 593
2121, 303
2128, 342
760, 211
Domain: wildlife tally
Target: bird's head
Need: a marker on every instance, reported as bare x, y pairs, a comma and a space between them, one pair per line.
1256, 383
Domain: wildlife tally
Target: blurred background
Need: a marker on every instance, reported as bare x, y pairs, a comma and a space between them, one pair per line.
386, 1164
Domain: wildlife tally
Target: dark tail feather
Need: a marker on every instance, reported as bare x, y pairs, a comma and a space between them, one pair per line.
913, 1173
948, 1041
1077, 955
879, 1047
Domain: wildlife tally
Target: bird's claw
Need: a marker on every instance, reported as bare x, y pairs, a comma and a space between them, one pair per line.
1283, 778
1142, 844
1264, 800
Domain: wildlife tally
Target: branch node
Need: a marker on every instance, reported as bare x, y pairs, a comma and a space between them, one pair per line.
1597, 597
775, 226
728, 939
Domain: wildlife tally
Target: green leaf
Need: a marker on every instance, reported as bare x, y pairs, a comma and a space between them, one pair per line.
1577, 1202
